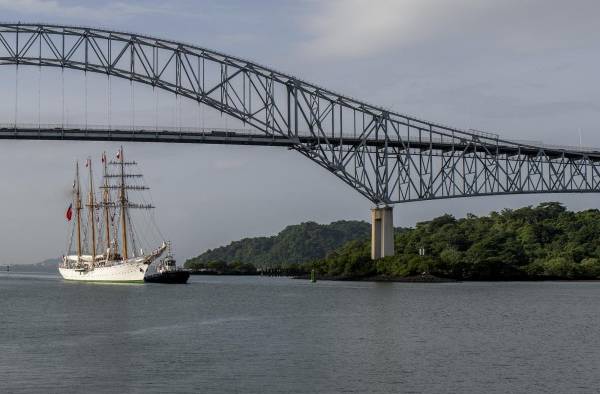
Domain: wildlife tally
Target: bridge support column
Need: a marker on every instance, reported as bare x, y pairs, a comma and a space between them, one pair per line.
382, 232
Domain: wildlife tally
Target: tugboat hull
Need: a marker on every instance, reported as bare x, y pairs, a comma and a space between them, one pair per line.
173, 277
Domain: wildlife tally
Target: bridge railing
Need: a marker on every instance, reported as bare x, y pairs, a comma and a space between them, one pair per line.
121, 127
75, 127
571, 148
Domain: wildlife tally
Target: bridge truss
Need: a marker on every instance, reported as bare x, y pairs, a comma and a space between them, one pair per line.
386, 156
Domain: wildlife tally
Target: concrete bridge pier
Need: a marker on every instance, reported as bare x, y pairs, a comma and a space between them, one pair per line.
382, 232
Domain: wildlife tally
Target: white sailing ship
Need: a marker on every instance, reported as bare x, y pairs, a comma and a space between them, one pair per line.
105, 249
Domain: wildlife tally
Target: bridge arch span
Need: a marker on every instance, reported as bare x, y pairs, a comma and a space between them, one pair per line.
386, 156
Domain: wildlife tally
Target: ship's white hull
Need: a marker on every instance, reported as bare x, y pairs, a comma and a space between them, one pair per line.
130, 271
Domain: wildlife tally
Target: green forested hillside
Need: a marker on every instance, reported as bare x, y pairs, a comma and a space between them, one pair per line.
546, 241
295, 244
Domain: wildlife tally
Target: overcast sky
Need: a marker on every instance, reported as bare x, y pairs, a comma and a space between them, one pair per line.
523, 69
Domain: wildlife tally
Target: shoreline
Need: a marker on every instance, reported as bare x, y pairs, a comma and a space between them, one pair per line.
432, 279
380, 278
375, 279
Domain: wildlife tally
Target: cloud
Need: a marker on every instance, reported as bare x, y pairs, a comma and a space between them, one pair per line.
58, 8
363, 27
227, 164
360, 28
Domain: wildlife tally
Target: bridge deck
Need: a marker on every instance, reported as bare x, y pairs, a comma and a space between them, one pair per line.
250, 137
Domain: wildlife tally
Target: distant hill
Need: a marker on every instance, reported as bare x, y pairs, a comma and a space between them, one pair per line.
294, 245
49, 265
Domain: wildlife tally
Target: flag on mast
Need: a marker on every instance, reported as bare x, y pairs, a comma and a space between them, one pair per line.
69, 214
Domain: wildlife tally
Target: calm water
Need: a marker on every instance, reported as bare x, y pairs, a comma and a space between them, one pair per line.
259, 335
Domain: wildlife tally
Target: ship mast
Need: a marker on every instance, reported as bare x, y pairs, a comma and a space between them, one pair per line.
92, 210
78, 209
106, 201
122, 202
123, 199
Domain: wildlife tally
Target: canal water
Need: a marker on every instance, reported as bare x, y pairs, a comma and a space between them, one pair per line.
276, 335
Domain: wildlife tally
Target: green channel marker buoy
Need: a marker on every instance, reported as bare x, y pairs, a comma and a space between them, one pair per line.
313, 278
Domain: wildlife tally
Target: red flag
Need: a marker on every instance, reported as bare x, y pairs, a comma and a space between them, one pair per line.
69, 213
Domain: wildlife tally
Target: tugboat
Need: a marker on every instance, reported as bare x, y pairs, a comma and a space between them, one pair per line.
168, 272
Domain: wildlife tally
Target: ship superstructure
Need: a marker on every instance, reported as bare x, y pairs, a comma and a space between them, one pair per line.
106, 248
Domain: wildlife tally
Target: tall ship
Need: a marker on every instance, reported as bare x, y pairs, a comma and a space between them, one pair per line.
103, 245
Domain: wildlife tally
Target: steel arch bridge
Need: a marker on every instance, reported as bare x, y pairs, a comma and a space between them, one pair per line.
386, 156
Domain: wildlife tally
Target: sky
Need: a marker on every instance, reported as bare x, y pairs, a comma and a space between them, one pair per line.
522, 69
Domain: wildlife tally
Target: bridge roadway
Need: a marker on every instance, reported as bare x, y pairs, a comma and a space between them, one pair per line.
439, 145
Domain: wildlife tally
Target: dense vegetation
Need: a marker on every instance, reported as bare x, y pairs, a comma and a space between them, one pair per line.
546, 241
543, 242
294, 245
